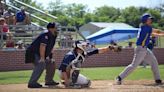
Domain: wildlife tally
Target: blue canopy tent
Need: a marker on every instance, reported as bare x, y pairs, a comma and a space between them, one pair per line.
113, 33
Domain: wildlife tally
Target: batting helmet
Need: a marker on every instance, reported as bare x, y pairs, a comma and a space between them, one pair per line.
145, 17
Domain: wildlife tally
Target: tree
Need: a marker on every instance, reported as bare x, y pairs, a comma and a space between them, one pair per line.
88, 17
120, 19
106, 13
76, 13
75, 10
95, 18
142, 10
131, 16
63, 20
56, 7
161, 23
155, 13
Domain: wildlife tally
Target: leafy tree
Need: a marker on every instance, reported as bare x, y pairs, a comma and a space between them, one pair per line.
88, 18
56, 7
77, 14
106, 11
75, 10
131, 16
63, 20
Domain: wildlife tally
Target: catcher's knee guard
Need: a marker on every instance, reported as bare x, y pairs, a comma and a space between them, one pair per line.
83, 81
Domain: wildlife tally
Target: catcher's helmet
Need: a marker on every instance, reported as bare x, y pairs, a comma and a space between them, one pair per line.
145, 17
80, 45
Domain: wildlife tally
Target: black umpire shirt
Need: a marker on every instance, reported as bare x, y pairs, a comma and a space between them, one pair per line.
46, 38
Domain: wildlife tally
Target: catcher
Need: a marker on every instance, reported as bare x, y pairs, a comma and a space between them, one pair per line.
69, 70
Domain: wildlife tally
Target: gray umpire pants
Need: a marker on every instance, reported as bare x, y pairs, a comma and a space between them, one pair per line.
39, 68
142, 54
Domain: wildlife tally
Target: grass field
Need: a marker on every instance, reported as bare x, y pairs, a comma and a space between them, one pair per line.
106, 73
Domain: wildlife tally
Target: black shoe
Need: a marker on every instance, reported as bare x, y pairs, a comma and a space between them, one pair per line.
158, 82
53, 83
118, 80
74, 86
36, 85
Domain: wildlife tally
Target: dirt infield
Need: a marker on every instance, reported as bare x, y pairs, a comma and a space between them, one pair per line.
97, 86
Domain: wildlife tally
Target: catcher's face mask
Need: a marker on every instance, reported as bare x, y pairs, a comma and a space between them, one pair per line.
81, 45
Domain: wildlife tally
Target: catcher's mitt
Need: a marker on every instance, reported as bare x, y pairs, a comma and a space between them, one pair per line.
116, 48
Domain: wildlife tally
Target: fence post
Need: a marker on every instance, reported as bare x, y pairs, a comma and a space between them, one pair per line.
1, 39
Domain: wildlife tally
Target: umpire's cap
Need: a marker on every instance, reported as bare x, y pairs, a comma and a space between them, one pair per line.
145, 17
51, 25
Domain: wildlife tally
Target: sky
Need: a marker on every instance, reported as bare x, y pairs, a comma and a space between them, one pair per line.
92, 4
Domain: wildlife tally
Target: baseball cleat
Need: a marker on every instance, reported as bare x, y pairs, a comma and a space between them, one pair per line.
75, 86
86, 85
158, 82
53, 83
36, 85
118, 80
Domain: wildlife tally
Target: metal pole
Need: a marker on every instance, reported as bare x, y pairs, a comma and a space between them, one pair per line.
32, 15
80, 33
54, 17
1, 40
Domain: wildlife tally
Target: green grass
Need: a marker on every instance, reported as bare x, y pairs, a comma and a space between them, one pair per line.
105, 73
109, 73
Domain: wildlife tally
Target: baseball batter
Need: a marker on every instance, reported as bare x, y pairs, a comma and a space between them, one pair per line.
142, 53
69, 70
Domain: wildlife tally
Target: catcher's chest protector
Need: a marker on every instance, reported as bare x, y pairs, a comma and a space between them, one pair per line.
76, 63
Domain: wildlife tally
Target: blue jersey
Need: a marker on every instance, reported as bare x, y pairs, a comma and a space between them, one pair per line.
144, 34
70, 56
20, 16
46, 38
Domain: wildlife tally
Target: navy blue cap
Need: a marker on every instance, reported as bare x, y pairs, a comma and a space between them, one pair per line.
145, 17
51, 25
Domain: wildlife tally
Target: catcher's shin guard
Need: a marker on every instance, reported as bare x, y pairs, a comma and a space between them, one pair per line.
75, 75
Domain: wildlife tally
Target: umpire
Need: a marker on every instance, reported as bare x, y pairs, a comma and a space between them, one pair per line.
40, 54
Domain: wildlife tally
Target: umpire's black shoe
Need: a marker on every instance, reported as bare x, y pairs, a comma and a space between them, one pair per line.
53, 83
158, 82
36, 85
